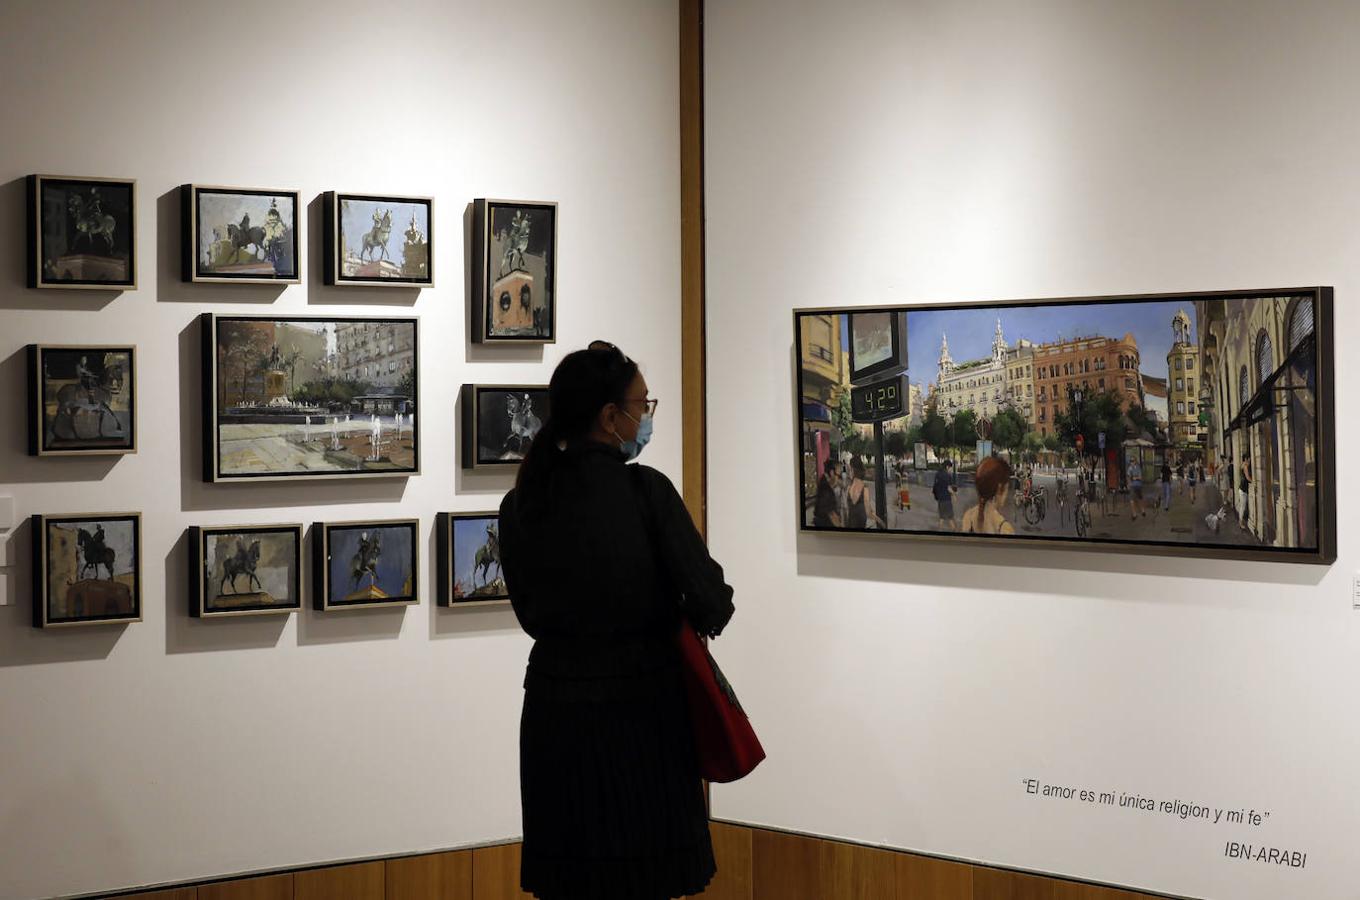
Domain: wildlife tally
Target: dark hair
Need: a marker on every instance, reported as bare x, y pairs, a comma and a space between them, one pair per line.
857, 466
992, 474
583, 383
829, 467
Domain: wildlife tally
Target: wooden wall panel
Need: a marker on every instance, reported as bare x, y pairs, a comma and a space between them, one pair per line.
786, 867
363, 881
923, 878
495, 873
994, 884
1071, 890
172, 894
693, 436
858, 873
433, 876
732, 850
269, 887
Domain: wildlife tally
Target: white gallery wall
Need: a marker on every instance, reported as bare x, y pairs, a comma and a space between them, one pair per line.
177, 749
880, 151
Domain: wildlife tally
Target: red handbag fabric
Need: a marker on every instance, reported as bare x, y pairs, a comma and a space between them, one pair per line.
726, 743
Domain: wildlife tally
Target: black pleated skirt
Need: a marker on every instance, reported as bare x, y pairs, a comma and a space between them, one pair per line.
613, 804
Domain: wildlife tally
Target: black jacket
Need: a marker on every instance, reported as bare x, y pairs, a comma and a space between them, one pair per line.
600, 575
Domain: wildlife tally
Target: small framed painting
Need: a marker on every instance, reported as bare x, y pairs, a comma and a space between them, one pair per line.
514, 279
500, 421
244, 570
470, 559
379, 241
87, 569
309, 397
363, 565
236, 235
82, 399
82, 232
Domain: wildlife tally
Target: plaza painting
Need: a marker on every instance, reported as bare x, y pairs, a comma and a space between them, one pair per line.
1197, 424
295, 396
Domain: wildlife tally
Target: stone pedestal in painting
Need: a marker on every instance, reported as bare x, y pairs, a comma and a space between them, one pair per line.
512, 307
89, 267
275, 385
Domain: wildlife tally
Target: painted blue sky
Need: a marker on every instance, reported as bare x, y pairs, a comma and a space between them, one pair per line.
970, 331
393, 566
468, 536
356, 220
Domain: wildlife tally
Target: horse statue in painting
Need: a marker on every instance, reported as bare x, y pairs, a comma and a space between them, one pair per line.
95, 552
365, 559
514, 243
376, 239
245, 235
91, 220
242, 563
488, 555
92, 394
523, 423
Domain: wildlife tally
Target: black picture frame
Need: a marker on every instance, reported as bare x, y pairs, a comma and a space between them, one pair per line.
451, 590
204, 575
71, 546
475, 404
325, 538
1279, 343
90, 397
514, 298
416, 272
82, 232
260, 257
340, 353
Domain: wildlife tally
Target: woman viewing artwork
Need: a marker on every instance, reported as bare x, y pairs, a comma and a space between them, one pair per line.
602, 562
993, 482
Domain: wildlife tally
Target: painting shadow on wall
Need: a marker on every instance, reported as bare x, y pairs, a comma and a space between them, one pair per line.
318, 292
186, 634
14, 260
169, 286
196, 494
529, 353
21, 468
22, 645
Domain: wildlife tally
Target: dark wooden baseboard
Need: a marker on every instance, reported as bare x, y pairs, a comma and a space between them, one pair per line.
753, 864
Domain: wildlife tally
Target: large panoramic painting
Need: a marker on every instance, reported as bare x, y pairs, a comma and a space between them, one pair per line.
1195, 424
305, 397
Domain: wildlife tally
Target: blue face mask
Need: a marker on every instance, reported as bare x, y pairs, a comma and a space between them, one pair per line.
632, 448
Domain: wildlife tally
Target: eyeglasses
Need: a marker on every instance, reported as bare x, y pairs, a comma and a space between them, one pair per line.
651, 404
